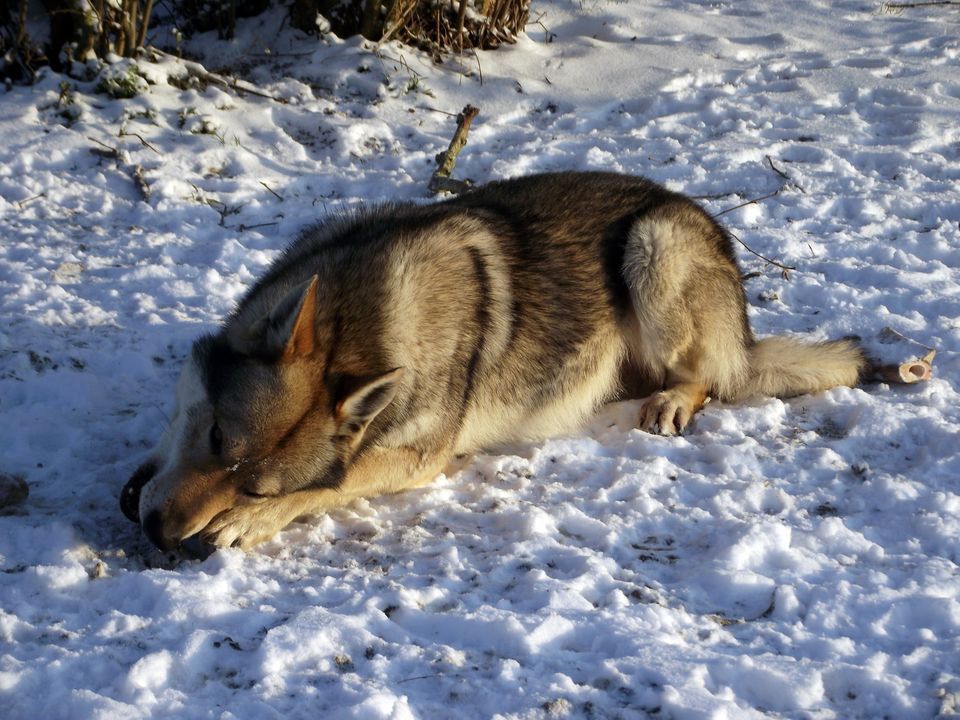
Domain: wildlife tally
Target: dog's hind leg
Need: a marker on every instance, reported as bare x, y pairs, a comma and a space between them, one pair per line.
689, 333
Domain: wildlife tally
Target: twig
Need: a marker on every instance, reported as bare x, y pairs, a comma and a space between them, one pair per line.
241, 227
136, 171
419, 677
446, 160
22, 203
548, 36
902, 6
124, 133
749, 202
782, 174
479, 68
777, 170
271, 190
785, 269
108, 152
218, 205
199, 71
714, 196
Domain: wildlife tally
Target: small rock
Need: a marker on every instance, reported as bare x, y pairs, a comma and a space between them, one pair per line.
560, 707
68, 272
13, 490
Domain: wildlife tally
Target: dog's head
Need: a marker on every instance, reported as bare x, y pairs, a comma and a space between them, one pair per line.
257, 415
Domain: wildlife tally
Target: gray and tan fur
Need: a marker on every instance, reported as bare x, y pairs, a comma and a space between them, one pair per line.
381, 346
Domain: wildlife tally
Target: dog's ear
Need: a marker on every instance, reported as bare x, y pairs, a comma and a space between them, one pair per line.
364, 400
291, 326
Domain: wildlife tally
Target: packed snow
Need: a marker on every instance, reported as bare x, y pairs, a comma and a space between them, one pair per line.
786, 559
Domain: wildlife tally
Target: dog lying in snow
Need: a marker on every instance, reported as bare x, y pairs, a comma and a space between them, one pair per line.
383, 345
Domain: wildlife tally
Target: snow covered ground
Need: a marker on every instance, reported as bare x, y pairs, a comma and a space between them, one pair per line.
790, 559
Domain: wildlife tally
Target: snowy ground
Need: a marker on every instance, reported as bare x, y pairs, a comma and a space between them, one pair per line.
790, 559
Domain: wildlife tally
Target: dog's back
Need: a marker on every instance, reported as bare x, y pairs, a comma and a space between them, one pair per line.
519, 307
505, 306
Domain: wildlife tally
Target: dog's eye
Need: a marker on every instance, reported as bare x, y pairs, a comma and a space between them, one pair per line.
216, 439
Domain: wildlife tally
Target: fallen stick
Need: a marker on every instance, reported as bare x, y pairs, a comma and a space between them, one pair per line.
785, 270
441, 180
124, 133
23, 203
122, 159
901, 6
195, 69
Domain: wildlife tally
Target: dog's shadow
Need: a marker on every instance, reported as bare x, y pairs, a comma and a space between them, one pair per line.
81, 406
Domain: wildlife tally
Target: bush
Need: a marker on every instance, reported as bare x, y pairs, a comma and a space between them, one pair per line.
78, 30
81, 29
438, 25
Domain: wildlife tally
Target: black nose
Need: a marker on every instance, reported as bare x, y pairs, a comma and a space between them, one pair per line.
153, 529
130, 495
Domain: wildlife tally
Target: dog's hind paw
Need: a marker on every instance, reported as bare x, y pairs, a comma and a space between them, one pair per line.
668, 412
663, 414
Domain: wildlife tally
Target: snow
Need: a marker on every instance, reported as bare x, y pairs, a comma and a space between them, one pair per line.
791, 559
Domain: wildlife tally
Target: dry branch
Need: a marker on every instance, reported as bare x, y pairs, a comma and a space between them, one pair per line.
441, 180
784, 269
904, 6
124, 133
104, 150
751, 201
271, 190
24, 203
195, 69
119, 156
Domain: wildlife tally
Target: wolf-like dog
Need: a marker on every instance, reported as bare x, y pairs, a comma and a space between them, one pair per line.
383, 345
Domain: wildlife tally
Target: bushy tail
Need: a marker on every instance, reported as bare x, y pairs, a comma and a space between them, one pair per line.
784, 367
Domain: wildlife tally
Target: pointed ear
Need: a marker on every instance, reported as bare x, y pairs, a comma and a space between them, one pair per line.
364, 402
291, 326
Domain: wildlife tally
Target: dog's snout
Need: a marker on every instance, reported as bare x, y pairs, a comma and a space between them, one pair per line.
130, 495
153, 529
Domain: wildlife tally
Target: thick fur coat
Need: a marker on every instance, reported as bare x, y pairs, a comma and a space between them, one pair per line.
383, 345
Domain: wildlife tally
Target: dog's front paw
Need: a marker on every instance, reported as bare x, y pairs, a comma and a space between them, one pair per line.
244, 526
